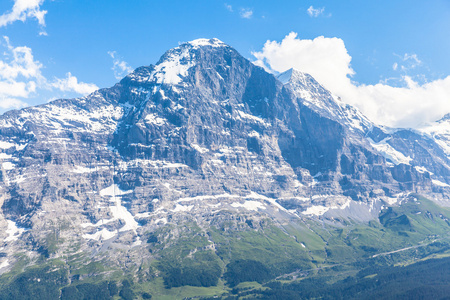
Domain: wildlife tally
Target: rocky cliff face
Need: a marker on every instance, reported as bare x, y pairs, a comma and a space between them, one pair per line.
201, 133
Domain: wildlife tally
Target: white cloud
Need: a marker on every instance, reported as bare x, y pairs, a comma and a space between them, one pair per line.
246, 13
120, 67
24, 9
395, 66
18, 62
21, 77
71, 84
315, 12
20, 74
328, 61
229, 7
8, 103
324, 58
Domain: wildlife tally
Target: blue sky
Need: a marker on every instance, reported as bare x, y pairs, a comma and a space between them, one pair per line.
66, 48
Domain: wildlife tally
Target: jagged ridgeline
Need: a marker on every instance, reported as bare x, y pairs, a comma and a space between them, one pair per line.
205, 176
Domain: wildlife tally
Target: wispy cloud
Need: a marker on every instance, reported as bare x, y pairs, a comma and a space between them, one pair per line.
327, 60
24, 9
21, 77
243, 12
229, 7
408, 61
246, 13
120, 67
408, 68
315, 12
395, 66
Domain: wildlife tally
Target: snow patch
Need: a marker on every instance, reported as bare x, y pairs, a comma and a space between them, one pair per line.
162, 220
390, 153
390, 200
303, 199
316, 210
249, 205
114, 191
82, 170
118, 211
5, 156
272, 201
8, 165
6, 145
179, 207
13, 231
422, 170
199, 148
207, 42
4, 264
174, 66
155, 120
163, 94
207, 197
138, 242
142, 215
319, 210
439, 183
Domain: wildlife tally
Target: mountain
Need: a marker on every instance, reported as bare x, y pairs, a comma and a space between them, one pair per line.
189, 171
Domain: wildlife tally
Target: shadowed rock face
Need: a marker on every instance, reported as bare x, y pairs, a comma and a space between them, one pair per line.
201, 129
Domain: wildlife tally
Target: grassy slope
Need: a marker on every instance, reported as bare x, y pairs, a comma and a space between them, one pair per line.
413, 231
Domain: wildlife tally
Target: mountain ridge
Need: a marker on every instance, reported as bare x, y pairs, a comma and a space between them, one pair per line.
344, 114
204, 138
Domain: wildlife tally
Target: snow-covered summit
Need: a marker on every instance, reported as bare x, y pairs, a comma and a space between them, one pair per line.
207, 42
293, 75
173, 66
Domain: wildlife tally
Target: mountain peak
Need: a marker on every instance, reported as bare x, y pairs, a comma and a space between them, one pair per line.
303, 85
318, 98
173, 66
207, 42
292, 75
